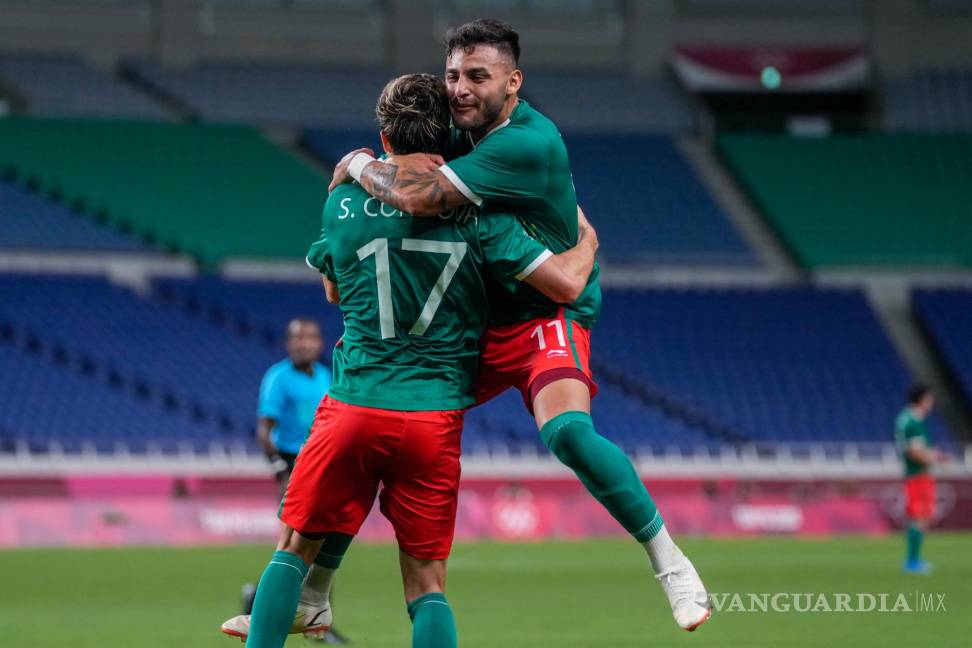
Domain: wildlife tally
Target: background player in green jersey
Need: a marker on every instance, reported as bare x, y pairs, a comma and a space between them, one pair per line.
507, 157
414, 301
918, 456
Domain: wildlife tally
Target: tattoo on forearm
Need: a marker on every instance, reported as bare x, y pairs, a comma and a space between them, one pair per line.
384, 182
427, 185
379, 181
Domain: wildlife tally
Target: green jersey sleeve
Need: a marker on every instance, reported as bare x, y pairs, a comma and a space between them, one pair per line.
509, 253
915, 431
319, 256
511, 163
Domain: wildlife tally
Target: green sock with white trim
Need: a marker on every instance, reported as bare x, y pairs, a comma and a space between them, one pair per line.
433, 625
605, 471
276, 601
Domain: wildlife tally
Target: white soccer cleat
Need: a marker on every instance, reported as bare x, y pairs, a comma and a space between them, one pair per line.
686, 594
312, 620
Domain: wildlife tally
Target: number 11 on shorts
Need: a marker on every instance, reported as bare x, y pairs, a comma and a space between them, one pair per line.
539, 333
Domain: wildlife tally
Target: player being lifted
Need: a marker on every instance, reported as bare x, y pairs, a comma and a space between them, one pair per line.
414, 301
505, 156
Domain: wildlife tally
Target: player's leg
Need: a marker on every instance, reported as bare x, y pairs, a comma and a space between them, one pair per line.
282, 464
331, 491
420, 498
919, 508
433, 625
279, 589
562, 412
559, 391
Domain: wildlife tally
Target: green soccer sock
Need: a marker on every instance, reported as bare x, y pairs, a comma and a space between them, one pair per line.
605, 471
914, 536
276, 601
433, 625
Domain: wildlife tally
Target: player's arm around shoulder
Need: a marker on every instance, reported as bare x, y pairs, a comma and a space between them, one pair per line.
410, 183
513, 256
564, 276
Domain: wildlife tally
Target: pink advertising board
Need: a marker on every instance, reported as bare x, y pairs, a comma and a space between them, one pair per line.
166, 510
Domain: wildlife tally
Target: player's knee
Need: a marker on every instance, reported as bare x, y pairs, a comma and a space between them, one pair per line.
420, 577
305, 548
569, 436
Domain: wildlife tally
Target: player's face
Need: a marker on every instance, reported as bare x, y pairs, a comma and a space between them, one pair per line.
928, 402
479, 83
304, 343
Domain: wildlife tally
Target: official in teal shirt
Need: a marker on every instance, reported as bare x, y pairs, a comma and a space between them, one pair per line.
289, 395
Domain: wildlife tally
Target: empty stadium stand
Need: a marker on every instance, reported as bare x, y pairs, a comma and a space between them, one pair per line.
677, 368
860, 200
946, 317
606, 102
251, 310
271, 94
331, 144
30, 221
796, 365
647, 203
63, 86
644, 198
938, 99
211, 191
161, 358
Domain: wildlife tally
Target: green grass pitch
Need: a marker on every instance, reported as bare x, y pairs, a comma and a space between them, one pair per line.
596, 593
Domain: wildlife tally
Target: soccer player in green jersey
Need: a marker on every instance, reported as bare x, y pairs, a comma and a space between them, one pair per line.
918, 456
507, 157
414, 301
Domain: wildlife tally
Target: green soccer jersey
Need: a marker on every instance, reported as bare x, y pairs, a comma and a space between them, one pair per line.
413, 297
907, 429
521, 167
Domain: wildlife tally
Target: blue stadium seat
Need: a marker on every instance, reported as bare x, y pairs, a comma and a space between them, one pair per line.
272, 94
946, 316
92, 365
31, 221
647, 203
610, 103
331, 144
798, 365
934, 99
64, 86
160, 356
43, 403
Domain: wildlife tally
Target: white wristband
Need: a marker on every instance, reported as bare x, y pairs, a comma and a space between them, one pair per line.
357, 165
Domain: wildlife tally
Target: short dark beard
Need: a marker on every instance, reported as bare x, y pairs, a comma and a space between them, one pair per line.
488, 122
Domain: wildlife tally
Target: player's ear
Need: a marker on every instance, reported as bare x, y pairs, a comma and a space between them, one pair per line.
516, 80
385, 144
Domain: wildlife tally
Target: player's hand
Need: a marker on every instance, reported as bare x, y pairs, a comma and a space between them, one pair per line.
341, 175
417, 162
278, 465
585, 231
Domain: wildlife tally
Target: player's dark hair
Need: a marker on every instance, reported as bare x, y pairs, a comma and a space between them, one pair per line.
917, 393
413, 113
485, 31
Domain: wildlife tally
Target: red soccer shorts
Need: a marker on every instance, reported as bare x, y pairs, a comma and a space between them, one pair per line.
920, 496
351, 451
530, 355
